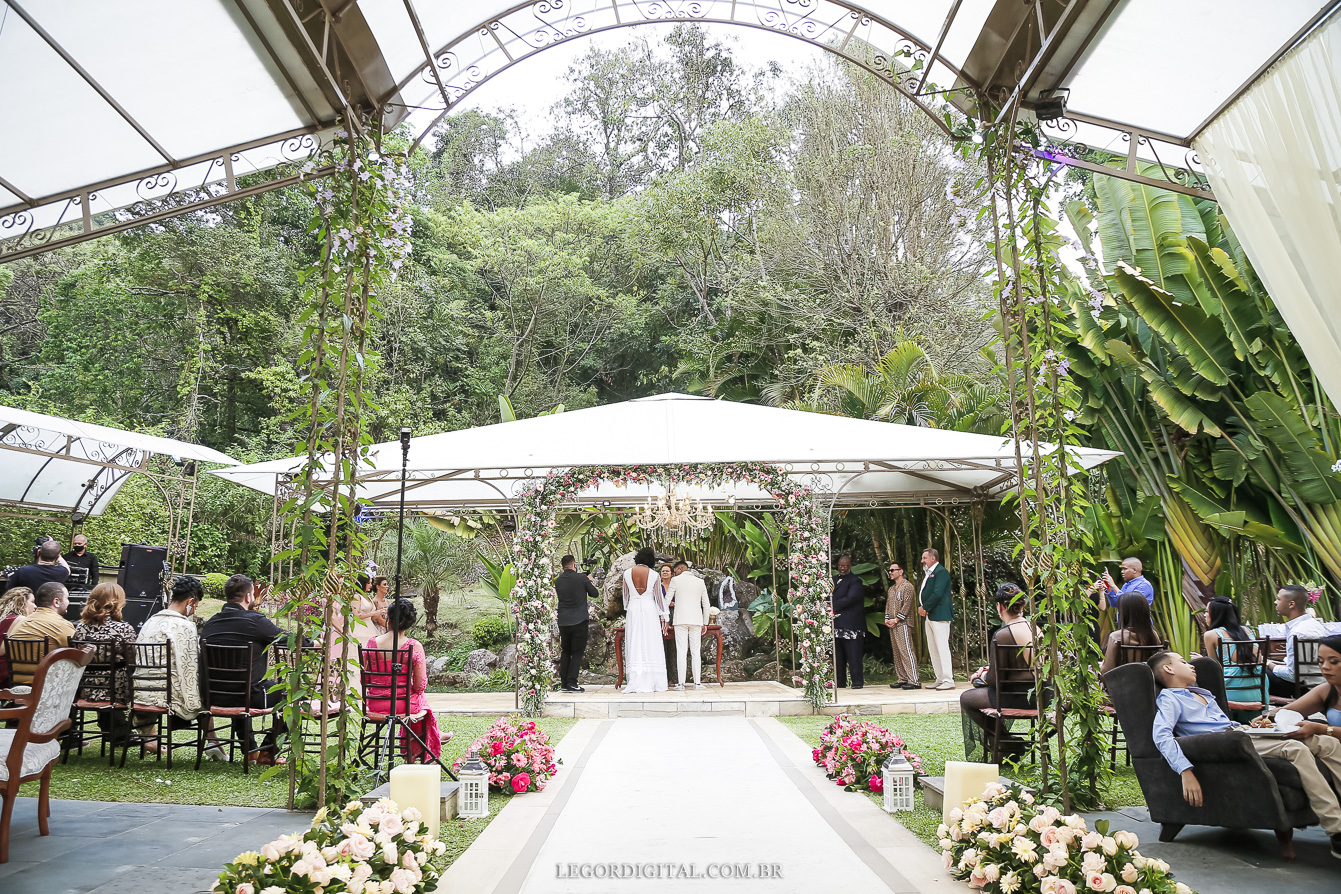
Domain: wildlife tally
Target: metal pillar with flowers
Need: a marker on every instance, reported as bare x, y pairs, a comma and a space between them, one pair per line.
805, 519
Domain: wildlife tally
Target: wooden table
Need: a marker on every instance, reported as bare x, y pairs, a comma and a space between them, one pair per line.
708, 630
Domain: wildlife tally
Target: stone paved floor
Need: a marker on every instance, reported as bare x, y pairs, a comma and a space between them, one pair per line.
109, 848
1244, 861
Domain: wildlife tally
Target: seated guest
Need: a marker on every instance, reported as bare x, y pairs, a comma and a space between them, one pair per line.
237, 624
1184, 709
1242, 683
401, 617
1015, 630
175, 625
100, 622
1137, 629
1325, 698
1292, 604
48, 619
14, 604
48, 567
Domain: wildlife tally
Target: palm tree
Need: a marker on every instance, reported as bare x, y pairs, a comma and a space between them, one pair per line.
430, 560
904, 387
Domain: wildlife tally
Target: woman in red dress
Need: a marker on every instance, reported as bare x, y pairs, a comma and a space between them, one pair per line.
401, 616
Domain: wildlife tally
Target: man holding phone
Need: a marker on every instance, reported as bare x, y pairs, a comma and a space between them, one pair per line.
1107, 592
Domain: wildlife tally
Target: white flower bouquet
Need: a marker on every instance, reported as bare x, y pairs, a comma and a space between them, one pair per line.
1003, 842
375, 850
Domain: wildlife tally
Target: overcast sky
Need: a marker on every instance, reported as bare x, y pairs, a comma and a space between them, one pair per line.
533, 85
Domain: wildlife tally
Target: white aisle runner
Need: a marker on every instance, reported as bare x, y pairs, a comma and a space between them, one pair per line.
708, 797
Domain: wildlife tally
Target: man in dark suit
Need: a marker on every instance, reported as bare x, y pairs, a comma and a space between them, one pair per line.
573, 588
236, 624
849, 623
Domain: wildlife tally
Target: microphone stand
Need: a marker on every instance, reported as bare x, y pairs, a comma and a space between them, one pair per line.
396, 666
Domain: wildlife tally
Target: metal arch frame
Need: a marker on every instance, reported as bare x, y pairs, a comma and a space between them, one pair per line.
804, 23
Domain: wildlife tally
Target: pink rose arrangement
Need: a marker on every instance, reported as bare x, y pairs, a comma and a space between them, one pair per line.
852, 752
1005, 843
519, 756
352, 851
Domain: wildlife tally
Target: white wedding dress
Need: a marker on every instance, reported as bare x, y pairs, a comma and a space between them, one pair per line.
644, 655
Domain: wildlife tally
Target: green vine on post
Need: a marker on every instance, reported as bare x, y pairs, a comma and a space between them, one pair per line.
1051, 492
361, 222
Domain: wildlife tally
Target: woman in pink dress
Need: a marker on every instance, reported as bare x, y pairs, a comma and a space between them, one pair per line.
401, 616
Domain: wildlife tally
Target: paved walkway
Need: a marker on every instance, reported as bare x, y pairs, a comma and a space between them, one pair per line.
693, 795
753, 699
1247, 861
109, 848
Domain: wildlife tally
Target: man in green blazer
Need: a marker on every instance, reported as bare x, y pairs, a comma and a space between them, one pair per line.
936, 607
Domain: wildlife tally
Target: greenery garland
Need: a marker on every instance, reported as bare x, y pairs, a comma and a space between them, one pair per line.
533, 597
362, 223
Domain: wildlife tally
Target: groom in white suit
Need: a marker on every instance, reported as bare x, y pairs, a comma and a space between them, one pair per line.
689, 597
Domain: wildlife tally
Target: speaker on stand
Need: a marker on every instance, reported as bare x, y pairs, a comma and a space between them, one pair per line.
141, 576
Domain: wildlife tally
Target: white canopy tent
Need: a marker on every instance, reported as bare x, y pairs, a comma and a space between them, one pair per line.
858, 462
60, 466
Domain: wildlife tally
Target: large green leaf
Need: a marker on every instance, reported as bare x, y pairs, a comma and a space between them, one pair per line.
1190, 331
1182, 410
1144, 226
1220, 284
1282, 426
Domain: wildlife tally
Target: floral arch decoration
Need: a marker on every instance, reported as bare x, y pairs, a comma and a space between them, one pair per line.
533, 602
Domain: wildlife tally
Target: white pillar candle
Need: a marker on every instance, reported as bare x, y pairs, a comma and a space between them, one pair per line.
419, 786
964, 780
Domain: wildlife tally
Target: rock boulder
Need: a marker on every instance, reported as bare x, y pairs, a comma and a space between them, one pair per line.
612, 589
508, 657
480, 662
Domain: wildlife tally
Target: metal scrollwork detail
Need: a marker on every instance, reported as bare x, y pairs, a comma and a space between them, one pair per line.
297, 148
156, 186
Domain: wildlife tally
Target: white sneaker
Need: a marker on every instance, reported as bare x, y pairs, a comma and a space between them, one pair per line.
679, 687
215, 753
946, 685
699, 686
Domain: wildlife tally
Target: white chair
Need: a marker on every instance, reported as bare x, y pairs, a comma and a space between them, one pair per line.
30, 750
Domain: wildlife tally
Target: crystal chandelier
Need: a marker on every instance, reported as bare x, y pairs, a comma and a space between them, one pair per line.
674, 516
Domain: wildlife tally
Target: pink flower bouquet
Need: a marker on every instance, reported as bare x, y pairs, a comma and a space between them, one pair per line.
519, 757
852, 752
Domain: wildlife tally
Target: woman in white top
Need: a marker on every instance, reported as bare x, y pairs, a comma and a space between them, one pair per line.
645, 626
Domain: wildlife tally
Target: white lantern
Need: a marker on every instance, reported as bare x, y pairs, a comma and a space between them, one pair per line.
898, 775
473, 799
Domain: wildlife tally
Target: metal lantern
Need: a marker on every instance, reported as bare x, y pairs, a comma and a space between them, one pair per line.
473, 801
898, 775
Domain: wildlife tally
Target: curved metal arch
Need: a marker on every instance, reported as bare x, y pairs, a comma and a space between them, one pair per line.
523, 31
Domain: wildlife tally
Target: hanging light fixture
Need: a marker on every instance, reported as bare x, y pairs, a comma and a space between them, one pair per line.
671, 515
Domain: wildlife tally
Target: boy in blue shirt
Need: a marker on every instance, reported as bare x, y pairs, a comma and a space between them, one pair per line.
1183, 709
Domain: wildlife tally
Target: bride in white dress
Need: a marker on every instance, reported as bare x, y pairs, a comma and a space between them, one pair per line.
644, 654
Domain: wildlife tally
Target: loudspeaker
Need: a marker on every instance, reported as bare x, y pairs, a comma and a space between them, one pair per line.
141, 574
137, 611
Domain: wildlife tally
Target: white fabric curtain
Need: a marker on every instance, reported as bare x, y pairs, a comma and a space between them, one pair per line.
1274, 161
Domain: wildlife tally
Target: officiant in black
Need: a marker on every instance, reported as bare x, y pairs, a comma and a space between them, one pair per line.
849, 622
80, 557
573, 588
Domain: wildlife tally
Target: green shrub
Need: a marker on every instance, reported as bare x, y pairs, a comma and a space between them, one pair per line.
490, 633
214, 584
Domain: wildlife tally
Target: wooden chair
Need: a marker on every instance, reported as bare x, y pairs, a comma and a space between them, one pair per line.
28, 651
1248, 660
226, 671
1015, 683
108, 658
151, 688
310, 711
30, 750
1305, 665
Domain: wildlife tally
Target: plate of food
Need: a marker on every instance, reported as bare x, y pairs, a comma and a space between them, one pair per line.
1286, 722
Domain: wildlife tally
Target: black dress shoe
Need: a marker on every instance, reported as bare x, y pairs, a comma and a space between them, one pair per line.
859, 686
895, 685
912, 686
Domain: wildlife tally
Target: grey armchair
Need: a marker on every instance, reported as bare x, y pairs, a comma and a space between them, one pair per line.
1241, 789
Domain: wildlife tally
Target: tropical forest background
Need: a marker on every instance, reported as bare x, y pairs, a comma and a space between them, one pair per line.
685, 223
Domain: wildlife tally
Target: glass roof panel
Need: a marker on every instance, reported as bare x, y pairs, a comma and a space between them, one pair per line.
1167, 66
391, 25
70, 136
197, 85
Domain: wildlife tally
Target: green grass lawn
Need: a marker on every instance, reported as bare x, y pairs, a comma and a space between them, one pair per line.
219, 783
938, 738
